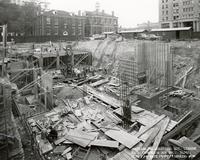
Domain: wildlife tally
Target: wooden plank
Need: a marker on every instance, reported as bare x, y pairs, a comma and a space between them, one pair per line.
100, 82
184, 143
44, 146
163, 126
79, 141
67, 142
66, 150
123, 137
185, 117
105, 143
139, 134
136, 109
181, 126
69, 156
148, 142
83, 135
121, 147
103, 97
60, 140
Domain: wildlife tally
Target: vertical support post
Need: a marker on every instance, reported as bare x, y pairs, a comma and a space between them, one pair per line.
4, 48
35, 87
57, 60
45, 98
41, 59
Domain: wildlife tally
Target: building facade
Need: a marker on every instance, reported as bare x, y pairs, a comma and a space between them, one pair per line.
179, 13
98, 22
149, 25
59, 23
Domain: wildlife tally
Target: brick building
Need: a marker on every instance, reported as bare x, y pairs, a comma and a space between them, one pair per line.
59, 23
98, 22
179, 13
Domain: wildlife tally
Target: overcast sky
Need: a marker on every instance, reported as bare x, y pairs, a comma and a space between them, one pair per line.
130, 12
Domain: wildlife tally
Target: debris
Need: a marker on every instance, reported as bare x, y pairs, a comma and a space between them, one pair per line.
81, 153
186, 145
69, 156
163, 126
66, 150
105, 143
59, 149
123, 137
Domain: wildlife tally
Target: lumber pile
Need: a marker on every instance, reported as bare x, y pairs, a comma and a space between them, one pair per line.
89, 122
147, 147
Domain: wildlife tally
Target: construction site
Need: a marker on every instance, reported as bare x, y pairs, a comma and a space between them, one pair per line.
110, 99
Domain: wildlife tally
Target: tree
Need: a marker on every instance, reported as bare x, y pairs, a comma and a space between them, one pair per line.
30, 12
20, 19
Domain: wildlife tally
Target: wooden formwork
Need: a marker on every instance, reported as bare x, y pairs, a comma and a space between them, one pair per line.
154, 60
158, 63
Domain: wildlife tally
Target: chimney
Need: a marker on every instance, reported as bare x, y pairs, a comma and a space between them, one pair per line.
97, 6
113, 13
103, 11
79, 13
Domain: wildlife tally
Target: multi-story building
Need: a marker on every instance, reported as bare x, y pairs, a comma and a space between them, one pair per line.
98, 22
59, 23
179, 13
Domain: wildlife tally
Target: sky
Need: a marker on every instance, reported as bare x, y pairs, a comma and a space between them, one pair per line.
129, 12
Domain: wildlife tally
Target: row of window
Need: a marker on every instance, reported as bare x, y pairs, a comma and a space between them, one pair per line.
188, 15
165, 19
164, 6
190, 9
175, 17
48, 22
163, 12
176, 11
56, 31
104, 21
175, 5
187, 2
163, 1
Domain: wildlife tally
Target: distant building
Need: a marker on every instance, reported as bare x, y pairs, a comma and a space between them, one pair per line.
98, 22
18, 2
147, 26
179, 13
59, 23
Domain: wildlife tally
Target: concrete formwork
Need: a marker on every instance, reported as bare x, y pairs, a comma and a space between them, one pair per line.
151, 61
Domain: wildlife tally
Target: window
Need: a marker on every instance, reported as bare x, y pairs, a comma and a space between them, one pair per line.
56, 30
115, 22
163, 6
163, 12
166, 5
48, 31
175, 25
48, 19
65, 24
56, 21
166, 18
166, 12
73, 31
79, 31
79, 22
